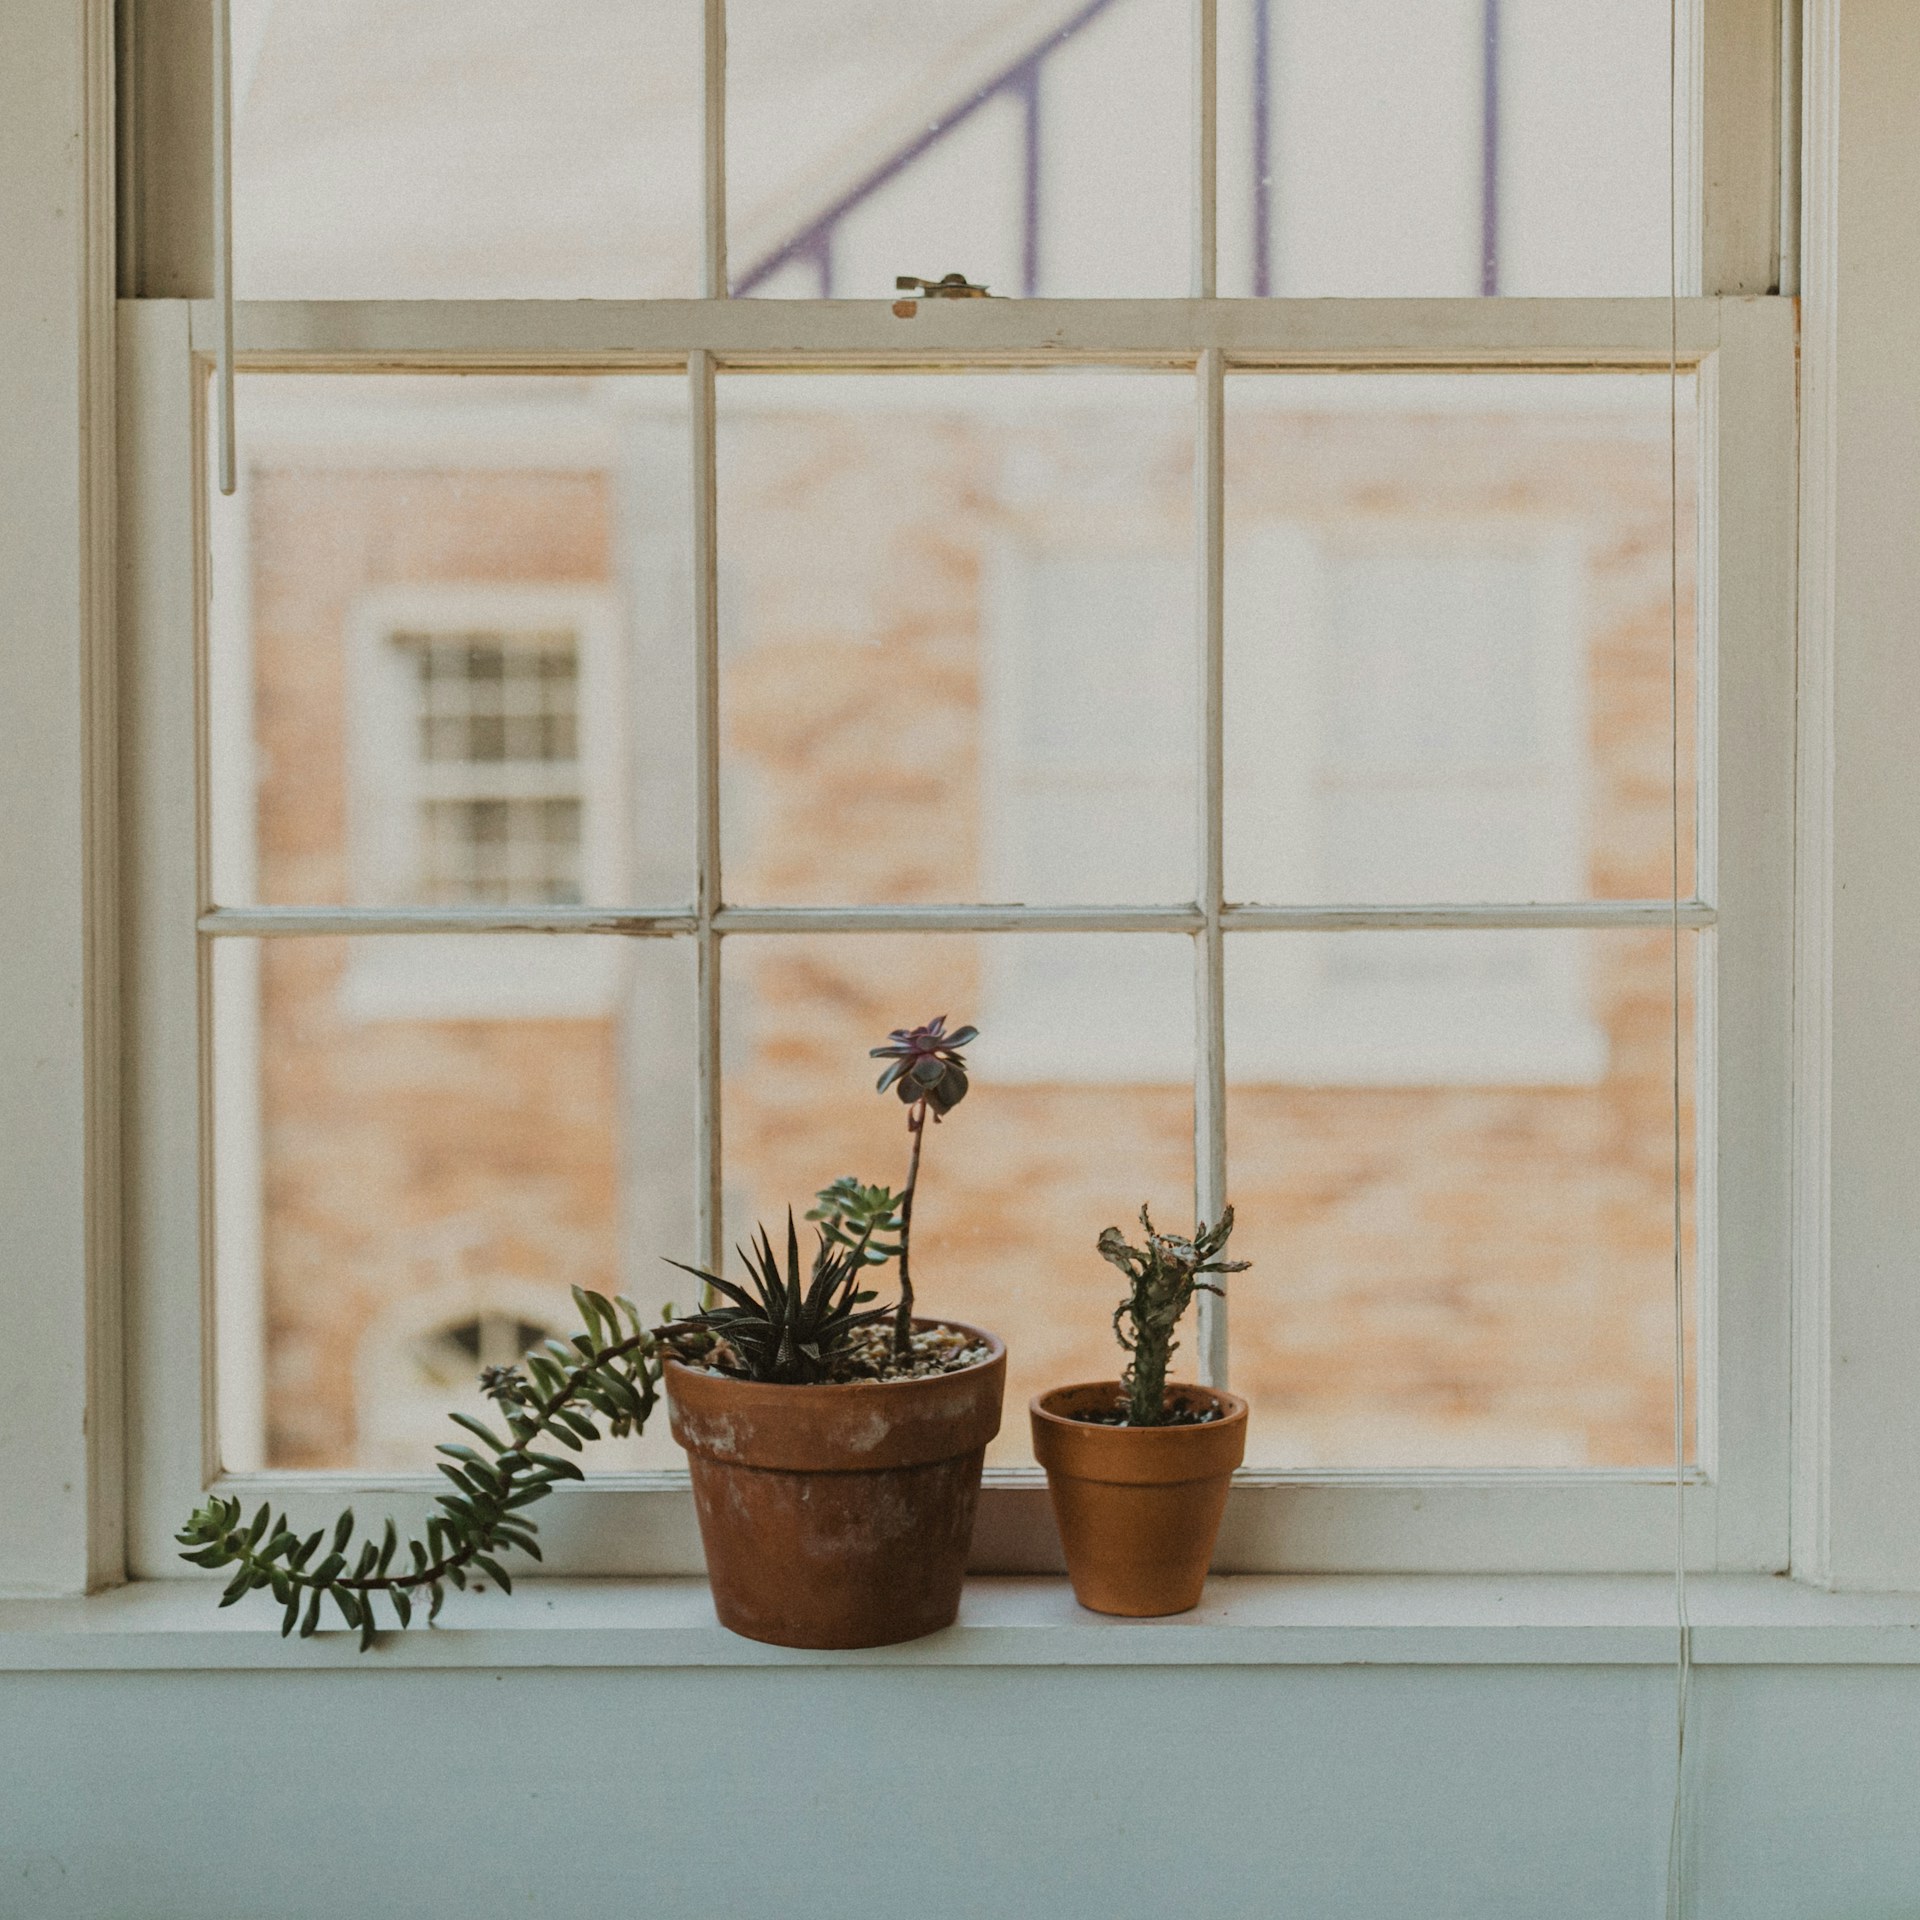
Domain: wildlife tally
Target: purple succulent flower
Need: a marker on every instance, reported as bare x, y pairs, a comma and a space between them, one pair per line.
925, 1063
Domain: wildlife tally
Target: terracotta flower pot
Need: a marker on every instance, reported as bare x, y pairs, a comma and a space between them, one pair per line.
837, 1516
1138, 1507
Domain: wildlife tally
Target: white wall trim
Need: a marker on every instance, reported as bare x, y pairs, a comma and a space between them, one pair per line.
1863, 240
61, 1427
105, 1318
1243, 1620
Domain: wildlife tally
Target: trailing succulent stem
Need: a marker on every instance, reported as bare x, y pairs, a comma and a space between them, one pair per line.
1161, 1280
785, 1330
609, 1373
929, 1074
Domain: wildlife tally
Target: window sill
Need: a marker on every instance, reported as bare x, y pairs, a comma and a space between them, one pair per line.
1245, 1620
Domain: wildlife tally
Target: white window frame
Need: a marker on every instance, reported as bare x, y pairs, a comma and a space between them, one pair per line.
1742, 352
1742, 349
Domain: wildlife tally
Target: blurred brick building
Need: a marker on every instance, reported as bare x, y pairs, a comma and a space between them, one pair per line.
1462, 1241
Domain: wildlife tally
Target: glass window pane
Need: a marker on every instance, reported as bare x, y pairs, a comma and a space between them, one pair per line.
1080, 1110
466, 149
1036, 148
450, 643
1449, 654
1445, 147
1451, 1159
421, 1144
958, 648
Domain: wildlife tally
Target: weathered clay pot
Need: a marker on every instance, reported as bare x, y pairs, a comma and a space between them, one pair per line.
837, 1516
1138, 1507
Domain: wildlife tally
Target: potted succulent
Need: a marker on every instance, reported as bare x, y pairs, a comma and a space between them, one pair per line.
1139, 1468
836, 1446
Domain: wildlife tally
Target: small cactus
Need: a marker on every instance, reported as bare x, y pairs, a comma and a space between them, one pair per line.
1160, 1282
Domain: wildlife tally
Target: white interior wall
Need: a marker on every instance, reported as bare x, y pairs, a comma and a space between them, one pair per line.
59, 1512
1863, 294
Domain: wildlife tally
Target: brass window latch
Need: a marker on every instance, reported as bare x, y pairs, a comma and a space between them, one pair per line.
952, 286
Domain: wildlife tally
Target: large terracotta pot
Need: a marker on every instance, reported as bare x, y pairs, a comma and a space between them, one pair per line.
837, 1516
1138, 1507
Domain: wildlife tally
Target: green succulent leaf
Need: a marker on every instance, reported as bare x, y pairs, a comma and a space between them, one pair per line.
795, 1322
480, 1430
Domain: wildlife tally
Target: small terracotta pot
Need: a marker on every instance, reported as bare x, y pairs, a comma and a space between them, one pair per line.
1138, 1507
837, 1516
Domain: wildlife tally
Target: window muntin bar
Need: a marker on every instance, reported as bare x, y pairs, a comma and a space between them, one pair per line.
709, 847
645, 921
1210, 1196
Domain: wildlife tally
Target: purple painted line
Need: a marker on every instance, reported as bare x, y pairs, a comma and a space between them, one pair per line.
1262, 148
1490, 146
1030, 180
803, 244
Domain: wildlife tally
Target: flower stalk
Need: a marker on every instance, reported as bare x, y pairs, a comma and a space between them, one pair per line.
928, 1073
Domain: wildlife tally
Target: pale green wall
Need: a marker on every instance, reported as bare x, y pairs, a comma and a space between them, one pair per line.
1083, 1794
